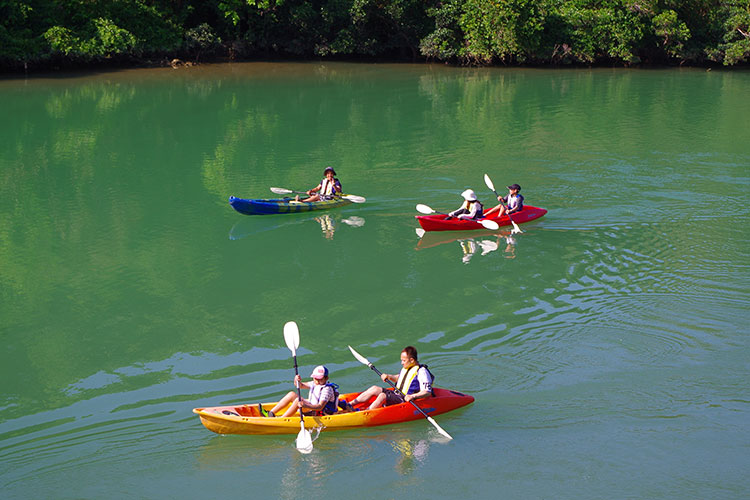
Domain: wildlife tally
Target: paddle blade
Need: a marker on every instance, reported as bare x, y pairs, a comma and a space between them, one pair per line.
516, 229
489, 183
304, 439
489, 224
291, 336
281, 190
359, 357
420, 232
439, 429
354, 221
354, 198
424, 209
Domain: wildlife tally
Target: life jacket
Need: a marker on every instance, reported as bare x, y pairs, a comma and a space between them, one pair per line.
479, 208
408, 383
328, 188
331, 405
515, 201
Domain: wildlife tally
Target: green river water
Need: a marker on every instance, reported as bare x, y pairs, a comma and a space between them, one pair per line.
607, 346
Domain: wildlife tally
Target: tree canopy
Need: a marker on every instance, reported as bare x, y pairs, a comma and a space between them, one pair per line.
40, 33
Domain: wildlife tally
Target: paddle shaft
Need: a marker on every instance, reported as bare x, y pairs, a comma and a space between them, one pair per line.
398, 391
299, 393
491, 185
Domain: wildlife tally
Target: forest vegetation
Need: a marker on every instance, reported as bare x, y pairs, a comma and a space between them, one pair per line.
41, 34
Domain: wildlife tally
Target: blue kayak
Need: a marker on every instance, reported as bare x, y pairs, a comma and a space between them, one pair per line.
283, 205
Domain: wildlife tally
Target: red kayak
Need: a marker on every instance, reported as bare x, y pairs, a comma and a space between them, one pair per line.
439, 222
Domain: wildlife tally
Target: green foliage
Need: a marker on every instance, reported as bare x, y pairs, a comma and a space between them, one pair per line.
672, 32
466, 31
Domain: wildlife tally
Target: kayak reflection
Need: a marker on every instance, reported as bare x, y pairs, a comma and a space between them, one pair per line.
328, 224
471, 243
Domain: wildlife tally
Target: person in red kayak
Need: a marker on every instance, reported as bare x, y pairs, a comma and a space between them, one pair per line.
514, 202
414, 381
323, 398
470, 209
326, 190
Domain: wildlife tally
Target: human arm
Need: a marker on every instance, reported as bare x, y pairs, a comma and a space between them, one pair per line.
299, 383
386, 377
425, 385
318, 402
518, 205
314, 190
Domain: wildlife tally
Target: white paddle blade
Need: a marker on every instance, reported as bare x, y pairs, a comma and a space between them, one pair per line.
281, 190
354, 198
516, 229
424, 209
439, 429
489, 183
354, 221
291, 336
359, 357
304, 440
420, 232
489, 224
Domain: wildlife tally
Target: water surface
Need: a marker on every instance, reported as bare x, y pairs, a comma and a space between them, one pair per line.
607, 345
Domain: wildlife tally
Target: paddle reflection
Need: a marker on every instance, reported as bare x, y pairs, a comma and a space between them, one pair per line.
471, 244
253, 225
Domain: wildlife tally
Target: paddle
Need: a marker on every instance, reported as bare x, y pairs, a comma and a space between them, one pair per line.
490, 185
291, 337
489, 224
364, 361
351, 197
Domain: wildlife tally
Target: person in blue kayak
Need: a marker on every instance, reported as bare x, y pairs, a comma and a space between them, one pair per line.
470, 209
323, 398
414, 381
514, 202
328, 188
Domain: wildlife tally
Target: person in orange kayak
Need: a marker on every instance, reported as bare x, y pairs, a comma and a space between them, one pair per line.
414, 381
514, 202
323, 398
470, 209
326, 190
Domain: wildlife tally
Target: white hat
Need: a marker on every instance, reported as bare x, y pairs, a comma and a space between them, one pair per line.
469, 195
320, 372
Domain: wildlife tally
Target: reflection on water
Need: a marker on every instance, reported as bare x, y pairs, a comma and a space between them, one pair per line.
482, 244
252, 225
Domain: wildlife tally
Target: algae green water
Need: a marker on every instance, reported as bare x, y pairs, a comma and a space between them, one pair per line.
607, 346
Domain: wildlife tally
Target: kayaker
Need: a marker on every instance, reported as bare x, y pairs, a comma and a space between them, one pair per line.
326, 190
470, 209
323, 398
514, 202
414, 380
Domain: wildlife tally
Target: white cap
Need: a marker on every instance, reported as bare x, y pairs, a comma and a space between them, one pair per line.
319, 372
469, 195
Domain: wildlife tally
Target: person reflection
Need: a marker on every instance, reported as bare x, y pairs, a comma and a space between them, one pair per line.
411, 454
327, 225
469, 247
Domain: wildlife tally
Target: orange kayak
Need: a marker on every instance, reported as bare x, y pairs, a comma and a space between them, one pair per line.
246, 419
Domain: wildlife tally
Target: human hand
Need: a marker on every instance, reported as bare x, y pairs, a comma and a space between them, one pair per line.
384, 377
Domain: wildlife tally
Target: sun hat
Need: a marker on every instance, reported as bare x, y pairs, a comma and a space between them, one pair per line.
320, 372
469, 195
514, 186
329, 169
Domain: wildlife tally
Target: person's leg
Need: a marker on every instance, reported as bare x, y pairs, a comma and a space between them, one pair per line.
378, 401
292, 409
290, 396
314, 197
366, 395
